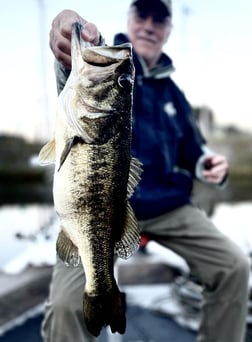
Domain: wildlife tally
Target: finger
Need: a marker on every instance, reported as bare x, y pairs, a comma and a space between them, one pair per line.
62, 45
90, 33
61, 48
214, 177
218, 160
219, 168
65, 59
215, 172
214, 180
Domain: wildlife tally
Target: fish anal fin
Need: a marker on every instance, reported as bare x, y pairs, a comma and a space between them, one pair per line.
66, 250
134, 175
130, 237
47, 153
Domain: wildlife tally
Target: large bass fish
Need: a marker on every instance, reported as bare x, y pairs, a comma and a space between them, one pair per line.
95, 175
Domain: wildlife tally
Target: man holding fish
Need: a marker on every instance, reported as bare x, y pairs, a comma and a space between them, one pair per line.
168, 144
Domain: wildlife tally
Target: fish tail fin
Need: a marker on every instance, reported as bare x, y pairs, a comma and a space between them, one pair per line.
102, 310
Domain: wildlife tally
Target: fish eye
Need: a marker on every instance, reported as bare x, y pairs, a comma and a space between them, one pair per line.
124, 80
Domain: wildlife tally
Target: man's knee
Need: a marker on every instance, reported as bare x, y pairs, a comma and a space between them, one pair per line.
242, 266
237, 275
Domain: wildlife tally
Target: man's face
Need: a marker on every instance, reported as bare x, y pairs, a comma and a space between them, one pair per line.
148, 33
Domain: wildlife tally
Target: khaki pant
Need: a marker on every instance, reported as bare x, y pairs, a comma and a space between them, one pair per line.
217, 263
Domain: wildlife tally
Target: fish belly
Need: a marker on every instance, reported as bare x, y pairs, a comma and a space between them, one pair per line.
90, 198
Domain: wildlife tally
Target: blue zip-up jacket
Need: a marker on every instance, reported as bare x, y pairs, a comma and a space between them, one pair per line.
165, 138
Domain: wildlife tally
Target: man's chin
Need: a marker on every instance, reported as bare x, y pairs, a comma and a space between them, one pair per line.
145, 44
144, 50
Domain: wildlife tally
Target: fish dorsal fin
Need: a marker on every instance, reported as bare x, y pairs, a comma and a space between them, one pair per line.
134, 175
130, 237
47, 154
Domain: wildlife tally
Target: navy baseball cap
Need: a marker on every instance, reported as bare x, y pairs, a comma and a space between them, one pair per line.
154, 5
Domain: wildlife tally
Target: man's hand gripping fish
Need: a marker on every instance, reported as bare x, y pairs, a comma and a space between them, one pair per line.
95, 175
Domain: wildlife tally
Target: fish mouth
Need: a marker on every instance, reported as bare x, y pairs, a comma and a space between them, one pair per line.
104, 55
98, 55
92, 66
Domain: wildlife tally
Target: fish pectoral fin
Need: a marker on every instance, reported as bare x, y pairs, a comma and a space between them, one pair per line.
134, 175
66, 250
69, 144
47, 153
130, 237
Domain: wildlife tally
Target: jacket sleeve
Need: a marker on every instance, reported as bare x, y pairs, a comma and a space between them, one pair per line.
192, 144
193, 147
61, 74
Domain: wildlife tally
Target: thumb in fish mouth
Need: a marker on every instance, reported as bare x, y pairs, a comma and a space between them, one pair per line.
102, 310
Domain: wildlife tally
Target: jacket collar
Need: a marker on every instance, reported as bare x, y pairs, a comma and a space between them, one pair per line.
163, 69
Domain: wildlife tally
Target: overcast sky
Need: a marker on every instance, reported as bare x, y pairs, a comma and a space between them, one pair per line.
210, 46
